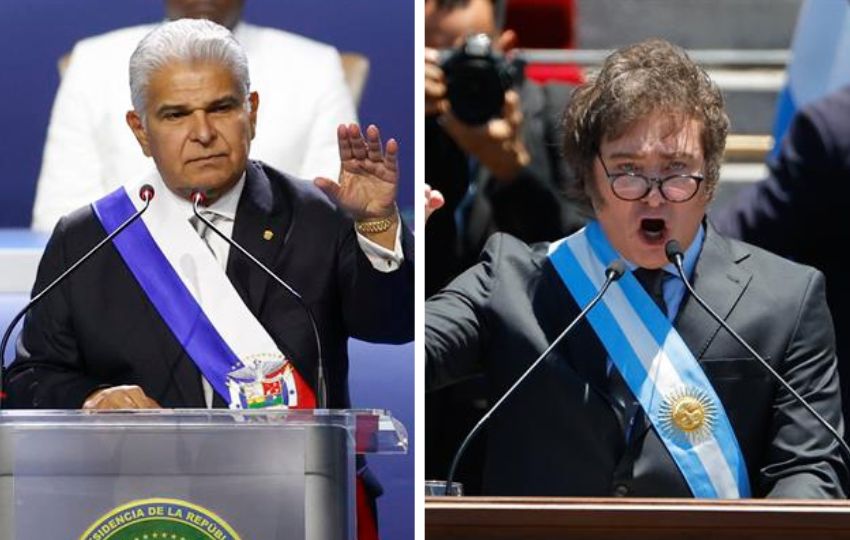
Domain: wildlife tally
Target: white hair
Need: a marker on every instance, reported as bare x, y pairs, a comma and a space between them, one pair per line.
185, 40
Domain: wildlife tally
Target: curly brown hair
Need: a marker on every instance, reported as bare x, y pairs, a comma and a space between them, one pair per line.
635, 82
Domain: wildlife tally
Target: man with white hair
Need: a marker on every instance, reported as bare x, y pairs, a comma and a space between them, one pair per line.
88, 152
168, 315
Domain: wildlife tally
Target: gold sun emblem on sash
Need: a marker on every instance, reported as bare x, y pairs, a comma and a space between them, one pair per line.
688, 412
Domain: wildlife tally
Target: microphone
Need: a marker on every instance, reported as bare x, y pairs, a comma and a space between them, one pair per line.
614, 272
199, 197
675, 255
146, 194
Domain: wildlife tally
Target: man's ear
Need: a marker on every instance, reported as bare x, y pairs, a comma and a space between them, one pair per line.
138, 128
254, 102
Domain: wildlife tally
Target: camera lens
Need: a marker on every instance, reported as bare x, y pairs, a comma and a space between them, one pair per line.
476, 80
475, 91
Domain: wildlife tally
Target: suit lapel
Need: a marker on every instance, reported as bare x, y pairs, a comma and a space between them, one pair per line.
720, 281
261, 226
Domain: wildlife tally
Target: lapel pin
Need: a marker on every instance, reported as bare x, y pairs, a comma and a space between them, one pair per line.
268, 234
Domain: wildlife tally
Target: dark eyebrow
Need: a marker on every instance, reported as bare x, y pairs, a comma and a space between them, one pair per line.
167, 109
226, 101
627, 155
637, 155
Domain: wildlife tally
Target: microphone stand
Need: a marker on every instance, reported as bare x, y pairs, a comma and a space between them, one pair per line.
614, 272
322, 393
146, 193
674, 255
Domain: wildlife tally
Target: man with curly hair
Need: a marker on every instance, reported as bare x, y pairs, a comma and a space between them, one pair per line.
648, 396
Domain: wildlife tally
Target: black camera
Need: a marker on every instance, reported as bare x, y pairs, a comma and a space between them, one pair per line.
477, 78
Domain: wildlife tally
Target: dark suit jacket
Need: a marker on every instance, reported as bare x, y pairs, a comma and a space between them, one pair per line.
800, 210
99, 329
532, 207
559, 434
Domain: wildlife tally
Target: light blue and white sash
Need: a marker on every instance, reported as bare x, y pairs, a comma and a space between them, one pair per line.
657, 366
191, 292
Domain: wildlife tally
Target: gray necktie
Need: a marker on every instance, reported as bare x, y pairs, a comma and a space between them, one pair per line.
201, 227
204, 231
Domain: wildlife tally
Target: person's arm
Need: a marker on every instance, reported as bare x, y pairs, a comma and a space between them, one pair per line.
779, 212
48, 371
536, 207
377, 304
532, 208
530, 203
456, 329
803, 460
499, 144
70, 171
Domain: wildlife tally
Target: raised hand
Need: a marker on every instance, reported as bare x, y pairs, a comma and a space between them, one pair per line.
433, 201
368, 176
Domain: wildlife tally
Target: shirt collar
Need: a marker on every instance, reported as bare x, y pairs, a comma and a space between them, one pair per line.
224, 206
691, 255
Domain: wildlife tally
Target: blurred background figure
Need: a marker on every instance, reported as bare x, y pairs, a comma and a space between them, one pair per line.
89, 152
492, 150
498, 169
796, 210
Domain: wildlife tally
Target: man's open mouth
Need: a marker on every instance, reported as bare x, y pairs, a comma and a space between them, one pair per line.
653, 230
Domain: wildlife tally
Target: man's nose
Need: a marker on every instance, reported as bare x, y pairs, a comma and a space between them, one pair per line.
202, 129
654, 197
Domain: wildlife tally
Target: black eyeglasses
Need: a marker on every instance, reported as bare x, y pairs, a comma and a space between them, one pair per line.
630, 186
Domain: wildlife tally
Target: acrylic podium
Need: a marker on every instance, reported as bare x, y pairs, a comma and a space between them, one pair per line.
215, 474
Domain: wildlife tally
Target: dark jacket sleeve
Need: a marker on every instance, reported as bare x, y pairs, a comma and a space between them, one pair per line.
49, 371
803, 460
806, 186
456, 330
377, 306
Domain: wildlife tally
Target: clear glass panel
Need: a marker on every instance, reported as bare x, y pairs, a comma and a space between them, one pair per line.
265, 474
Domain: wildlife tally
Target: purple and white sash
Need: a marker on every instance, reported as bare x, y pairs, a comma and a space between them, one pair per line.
190, 290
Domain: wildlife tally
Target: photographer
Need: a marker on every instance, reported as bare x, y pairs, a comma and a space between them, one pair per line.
503, 174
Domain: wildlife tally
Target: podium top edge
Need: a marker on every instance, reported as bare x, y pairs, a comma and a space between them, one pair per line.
372, 430
52, 415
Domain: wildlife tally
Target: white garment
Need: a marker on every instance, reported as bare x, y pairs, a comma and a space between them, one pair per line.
90, 151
